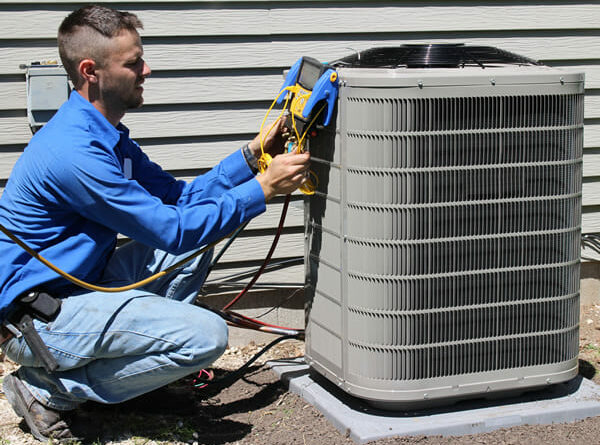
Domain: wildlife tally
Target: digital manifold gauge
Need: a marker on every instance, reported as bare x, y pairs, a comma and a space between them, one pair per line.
310, 82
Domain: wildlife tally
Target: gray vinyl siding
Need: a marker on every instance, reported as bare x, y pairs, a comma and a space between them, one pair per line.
217, 66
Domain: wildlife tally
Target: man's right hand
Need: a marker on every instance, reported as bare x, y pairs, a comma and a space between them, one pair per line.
286, 173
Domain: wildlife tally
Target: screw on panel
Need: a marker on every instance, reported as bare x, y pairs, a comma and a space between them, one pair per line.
562, 80
420, 83
493, 81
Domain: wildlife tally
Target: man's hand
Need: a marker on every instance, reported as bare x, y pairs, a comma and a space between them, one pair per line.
285, 174
273, 142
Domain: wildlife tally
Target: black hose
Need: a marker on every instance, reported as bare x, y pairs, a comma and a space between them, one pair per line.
230, 378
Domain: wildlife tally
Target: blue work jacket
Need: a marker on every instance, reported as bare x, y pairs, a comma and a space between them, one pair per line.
81, 181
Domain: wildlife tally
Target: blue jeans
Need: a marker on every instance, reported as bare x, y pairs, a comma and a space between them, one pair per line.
111, 347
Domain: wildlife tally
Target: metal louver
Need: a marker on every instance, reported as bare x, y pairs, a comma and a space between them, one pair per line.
443, 242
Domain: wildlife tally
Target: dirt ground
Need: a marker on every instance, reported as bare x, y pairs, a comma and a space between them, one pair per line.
258, 410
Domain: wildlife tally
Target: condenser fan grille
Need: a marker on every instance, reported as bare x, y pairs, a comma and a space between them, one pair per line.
432, 56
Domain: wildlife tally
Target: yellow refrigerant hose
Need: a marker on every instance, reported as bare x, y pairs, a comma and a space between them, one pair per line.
94, 287
264, 161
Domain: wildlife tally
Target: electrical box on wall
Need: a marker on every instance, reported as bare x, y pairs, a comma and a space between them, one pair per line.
443, 240
47, 90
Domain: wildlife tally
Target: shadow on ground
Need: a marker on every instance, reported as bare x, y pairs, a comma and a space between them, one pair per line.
586, 369
181, 412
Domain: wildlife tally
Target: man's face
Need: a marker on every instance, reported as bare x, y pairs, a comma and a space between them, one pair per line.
123, 72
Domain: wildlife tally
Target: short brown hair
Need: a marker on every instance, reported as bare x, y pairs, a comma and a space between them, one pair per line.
84, 34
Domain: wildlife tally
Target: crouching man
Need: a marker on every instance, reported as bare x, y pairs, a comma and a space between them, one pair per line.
80, 182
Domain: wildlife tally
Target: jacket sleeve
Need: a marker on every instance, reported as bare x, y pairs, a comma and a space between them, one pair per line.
93, 184
229, 173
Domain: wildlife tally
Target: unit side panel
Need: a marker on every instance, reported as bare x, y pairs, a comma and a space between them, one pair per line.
324, 313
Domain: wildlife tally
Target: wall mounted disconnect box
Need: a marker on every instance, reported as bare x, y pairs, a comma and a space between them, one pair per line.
47, 90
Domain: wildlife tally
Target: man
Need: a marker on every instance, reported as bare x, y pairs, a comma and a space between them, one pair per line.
80, 182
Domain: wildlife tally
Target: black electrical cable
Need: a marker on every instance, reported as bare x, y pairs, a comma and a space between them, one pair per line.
278, 305
243, 321
232, 278
592, 245
225, 247
591, 241
234, 376
268, 257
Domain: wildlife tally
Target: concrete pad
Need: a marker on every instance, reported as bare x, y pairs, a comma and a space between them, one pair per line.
566, 402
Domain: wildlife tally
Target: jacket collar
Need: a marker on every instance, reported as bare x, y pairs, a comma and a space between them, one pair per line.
97, 124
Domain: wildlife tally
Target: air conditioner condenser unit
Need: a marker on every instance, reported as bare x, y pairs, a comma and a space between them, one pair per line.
443, 241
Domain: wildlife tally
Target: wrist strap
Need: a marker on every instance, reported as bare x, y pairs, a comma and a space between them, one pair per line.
250, 158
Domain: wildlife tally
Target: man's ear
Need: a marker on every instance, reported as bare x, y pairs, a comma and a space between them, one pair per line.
87, 71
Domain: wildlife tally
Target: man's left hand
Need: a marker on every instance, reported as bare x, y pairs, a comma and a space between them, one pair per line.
273, 141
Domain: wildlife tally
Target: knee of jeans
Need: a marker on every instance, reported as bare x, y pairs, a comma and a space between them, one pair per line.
211, 335
221, 336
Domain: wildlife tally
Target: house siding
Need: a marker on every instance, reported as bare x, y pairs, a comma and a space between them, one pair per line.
218, 65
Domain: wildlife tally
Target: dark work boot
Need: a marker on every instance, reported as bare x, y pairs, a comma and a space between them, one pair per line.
44, 423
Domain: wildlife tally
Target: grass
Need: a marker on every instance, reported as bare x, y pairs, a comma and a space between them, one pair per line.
591, 347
